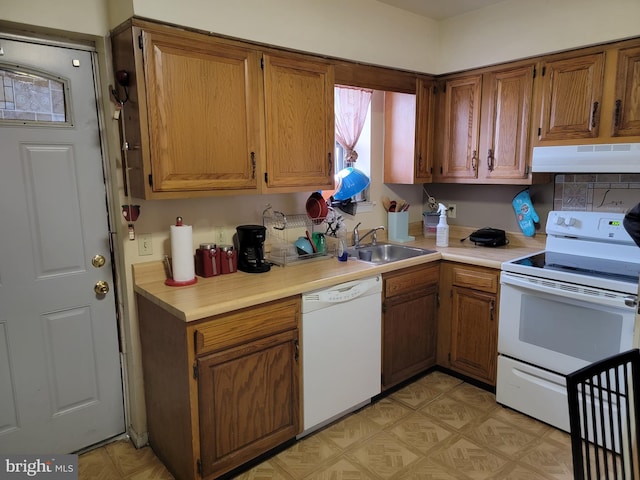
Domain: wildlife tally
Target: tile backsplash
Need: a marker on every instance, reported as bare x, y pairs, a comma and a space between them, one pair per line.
601, 192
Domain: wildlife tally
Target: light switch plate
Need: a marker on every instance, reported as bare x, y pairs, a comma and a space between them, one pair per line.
145, 245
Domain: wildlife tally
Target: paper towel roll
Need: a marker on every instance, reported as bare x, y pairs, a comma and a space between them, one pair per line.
182, 253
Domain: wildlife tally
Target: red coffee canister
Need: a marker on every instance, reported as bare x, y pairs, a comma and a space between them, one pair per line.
228, 259
208, 260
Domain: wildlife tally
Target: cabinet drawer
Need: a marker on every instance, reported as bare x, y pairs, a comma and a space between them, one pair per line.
246, 325
476, 278
409, 279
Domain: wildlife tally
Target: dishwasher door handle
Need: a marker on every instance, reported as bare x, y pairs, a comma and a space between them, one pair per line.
344, 292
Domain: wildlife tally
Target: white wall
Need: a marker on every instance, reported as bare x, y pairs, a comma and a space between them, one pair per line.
365, 30
87, 17
517, 29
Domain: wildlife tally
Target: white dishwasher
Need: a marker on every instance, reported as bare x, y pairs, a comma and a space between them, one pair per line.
341, 350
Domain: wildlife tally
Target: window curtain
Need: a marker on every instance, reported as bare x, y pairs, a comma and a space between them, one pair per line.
351, 106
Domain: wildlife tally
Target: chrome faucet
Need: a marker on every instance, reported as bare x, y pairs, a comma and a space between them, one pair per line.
373, 232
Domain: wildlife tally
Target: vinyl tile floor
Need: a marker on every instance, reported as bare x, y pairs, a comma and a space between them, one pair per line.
436, 428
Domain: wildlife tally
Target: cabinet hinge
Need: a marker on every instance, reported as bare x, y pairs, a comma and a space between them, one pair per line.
435, 89
449, 357
539, 131
384, 308
150, 180
140, 44
527, 170
195, 371
266, 177
438, 300
544, 70
262, 63
199, 466
440, 169
534, 72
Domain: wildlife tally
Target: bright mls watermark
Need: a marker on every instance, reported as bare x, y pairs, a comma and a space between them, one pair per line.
50, 467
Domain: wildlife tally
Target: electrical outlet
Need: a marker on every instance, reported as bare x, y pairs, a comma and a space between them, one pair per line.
145, 246
452, 211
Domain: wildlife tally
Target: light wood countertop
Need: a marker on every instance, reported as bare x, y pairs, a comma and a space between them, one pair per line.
225, 293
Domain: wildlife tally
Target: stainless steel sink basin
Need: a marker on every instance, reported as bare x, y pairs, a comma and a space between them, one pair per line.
386, 253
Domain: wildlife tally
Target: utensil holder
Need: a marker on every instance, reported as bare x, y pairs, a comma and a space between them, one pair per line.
398, 227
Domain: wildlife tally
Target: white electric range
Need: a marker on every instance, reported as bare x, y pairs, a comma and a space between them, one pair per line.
564, 308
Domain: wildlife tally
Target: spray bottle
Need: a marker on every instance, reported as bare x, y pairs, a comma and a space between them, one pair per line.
442, 230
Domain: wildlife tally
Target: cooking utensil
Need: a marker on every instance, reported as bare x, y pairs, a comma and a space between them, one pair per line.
400, 205
386, 202
392, 206
313, 245
317, 208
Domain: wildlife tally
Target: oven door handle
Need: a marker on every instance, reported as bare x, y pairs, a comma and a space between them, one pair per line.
571, 291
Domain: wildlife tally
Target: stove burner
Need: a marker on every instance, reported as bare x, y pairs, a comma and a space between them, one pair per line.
585, 266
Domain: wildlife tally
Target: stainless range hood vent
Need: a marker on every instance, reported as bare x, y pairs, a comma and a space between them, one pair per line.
606, 158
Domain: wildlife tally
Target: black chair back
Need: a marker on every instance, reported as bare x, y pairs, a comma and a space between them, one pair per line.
604, 403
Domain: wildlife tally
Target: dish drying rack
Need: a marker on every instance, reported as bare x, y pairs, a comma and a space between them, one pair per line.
282, 231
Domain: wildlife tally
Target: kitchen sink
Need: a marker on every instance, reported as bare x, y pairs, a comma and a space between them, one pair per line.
386, 253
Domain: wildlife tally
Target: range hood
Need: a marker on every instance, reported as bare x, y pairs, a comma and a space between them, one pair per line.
606, 158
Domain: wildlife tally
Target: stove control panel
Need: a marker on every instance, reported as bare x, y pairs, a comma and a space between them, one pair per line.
602, 226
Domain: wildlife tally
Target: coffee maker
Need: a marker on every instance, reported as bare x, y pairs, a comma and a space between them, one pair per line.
250, 249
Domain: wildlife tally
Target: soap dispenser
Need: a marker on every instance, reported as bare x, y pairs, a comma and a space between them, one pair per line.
442, 230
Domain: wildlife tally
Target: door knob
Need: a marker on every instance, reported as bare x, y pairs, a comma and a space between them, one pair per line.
101, 287
98, 261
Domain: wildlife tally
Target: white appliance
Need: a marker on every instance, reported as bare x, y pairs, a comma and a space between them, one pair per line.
605, 158
341, 350
564, 308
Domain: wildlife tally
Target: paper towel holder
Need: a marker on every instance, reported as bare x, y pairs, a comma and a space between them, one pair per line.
179, 283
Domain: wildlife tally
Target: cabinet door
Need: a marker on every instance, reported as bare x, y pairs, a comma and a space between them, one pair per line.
571, 98
474, 333
299, 117
508, 96
409, 335
460, 128
248, 400
626, 120
408, 135
425, 93
202, 101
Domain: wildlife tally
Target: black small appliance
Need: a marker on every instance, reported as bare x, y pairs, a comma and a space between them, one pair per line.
251, 249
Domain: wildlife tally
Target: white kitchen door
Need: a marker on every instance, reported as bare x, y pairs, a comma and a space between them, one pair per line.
60, 377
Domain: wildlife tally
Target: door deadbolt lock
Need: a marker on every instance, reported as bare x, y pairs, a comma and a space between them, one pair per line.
101, 287
98, 261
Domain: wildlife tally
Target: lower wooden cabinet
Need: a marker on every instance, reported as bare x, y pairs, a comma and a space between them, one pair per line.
409, 322
221, 391
468, 325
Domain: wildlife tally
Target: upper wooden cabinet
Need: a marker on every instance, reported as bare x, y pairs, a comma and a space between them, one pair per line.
195, 120
408, 134
591, 96
484, 126
626, 120
506, 124
300, 134
571, 97
459, 128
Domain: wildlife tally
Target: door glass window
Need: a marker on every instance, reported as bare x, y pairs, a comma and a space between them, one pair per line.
27, 97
